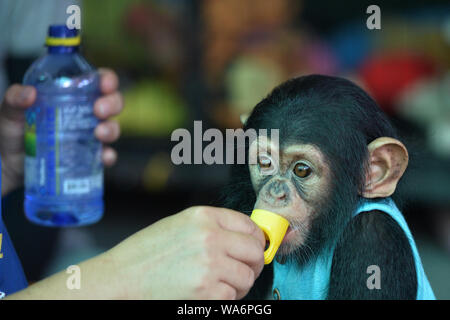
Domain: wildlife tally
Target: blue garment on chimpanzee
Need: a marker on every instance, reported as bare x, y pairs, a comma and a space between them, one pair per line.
12, 278
311, 281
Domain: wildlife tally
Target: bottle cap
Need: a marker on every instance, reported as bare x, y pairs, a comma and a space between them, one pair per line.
274, 227
60, 35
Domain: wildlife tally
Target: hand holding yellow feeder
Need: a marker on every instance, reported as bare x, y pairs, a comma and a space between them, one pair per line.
274, 227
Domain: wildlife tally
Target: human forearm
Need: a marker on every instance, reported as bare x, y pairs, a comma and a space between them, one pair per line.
199, 253
98, 281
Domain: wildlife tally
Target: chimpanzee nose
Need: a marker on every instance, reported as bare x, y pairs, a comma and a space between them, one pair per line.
278, 190
278, 193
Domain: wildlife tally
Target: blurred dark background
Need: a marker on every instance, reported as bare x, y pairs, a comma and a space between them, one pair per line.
213, 60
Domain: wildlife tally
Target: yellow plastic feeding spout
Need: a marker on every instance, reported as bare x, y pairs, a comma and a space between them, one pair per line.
274, 227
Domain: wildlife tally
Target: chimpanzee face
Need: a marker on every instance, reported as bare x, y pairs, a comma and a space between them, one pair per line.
336, 147
296, 188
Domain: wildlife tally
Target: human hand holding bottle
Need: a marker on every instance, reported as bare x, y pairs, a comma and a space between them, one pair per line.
19, 98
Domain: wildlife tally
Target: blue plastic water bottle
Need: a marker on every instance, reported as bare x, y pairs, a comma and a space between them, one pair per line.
63, 167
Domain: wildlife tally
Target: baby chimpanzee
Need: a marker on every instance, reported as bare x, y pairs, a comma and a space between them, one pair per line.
339, 164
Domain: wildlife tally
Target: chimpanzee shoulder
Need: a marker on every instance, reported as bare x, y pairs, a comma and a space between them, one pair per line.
373, 238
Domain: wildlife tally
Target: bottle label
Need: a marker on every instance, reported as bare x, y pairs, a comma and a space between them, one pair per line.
63, 157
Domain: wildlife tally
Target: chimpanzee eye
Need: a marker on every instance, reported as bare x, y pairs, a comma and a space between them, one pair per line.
264, 162
302, 170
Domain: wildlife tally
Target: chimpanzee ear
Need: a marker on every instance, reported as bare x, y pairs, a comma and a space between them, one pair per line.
244, 118
388, 159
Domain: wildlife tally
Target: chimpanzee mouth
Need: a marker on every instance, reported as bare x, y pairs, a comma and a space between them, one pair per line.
289, 234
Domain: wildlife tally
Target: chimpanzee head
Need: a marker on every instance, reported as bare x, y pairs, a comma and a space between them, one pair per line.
335, 147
